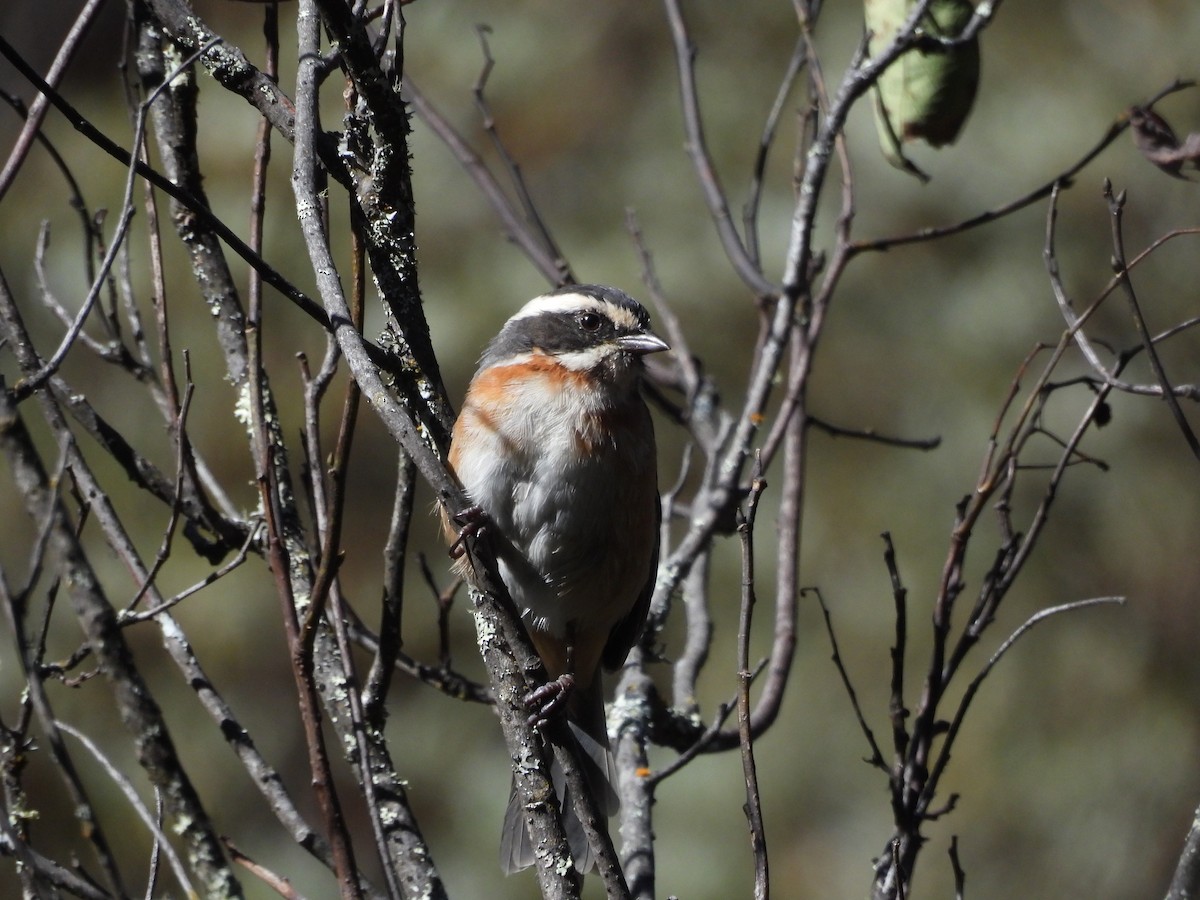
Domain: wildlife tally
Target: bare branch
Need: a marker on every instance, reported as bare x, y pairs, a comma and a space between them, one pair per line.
160, 839
743, 261
140, 712
30, 655
1115, 206
1186, 880
37, 111
531, 217
276, 882
167, 186
876, 758
870, 434
547, 262
1063, 178
757, 180
960, 876
758, 837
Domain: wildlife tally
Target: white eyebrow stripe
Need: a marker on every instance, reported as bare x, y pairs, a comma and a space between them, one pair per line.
559, 303
550, 304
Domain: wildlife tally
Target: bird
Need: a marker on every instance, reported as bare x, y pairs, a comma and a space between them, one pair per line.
554, 449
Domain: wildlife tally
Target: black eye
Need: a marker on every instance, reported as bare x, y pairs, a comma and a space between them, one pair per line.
589, 321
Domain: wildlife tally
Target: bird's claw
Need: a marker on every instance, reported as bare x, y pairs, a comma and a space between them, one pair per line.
545, 701
472, 522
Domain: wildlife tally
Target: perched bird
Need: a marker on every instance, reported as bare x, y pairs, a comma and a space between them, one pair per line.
555, 447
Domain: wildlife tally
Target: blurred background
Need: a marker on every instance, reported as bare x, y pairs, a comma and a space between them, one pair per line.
1076, 771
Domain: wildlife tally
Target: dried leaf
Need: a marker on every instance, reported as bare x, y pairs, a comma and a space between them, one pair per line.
1156, 141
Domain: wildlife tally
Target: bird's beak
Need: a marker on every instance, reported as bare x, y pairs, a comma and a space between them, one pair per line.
642, 343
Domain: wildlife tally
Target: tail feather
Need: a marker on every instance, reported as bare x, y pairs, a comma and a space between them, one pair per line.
599, 772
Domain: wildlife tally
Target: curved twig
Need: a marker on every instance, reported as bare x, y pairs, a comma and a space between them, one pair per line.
742, 260
1063, 178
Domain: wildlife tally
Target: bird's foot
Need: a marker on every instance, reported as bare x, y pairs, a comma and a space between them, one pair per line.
545, 701
472, 522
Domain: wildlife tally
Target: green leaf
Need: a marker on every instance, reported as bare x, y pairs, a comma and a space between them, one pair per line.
924, 94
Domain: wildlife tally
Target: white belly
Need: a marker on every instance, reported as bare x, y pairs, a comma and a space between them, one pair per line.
563, 520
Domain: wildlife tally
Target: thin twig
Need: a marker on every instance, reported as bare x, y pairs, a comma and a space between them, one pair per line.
105, 350
37, 110
960, 876
1044, 190
897, 711
1075, 322
531, 215
274, 881
796, 61
870, 434
129, 617
666, 318
876, 758
975, 683
754, 816
1115, 206
743, 262
702, 743
550, 264
387, 649
81, 123
131, 795
164, 549
266, 454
